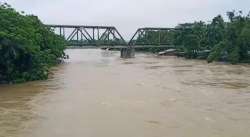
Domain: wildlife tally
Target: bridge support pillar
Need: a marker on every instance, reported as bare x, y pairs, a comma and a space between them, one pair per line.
127, 53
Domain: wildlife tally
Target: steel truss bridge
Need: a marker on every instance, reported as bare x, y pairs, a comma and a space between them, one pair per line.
79, 36
89, 36
108, 37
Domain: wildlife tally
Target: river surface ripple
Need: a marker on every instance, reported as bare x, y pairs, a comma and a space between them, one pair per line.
97, 94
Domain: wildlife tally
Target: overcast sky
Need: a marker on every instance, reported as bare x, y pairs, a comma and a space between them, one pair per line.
127, 15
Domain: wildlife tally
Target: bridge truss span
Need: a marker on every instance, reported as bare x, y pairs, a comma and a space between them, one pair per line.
153, 36
77, 35
108, 37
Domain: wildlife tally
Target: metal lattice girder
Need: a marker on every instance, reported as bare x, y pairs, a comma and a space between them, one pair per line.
152, 36
78, 35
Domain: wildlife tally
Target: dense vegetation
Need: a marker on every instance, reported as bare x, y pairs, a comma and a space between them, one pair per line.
215, 41
27, 47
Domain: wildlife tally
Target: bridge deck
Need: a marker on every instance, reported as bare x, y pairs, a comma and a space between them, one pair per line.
119, 47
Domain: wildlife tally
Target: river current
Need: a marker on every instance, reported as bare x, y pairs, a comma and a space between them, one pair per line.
95, 93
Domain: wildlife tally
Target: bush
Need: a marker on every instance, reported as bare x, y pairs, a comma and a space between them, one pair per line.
27, 47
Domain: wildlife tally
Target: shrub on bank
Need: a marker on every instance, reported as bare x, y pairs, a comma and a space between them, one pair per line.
27, 47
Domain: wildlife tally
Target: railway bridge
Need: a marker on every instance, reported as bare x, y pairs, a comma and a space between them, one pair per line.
108, 37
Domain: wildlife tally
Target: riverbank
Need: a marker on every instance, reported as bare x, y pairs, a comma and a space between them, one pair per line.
202, 55
226, 40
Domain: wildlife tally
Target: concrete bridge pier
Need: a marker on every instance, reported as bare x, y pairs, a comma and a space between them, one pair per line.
128, 52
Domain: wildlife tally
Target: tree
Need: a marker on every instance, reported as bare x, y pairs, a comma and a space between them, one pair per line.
27, 47
216, 31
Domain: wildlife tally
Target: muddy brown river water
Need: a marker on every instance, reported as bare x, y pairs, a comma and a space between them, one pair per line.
97, 94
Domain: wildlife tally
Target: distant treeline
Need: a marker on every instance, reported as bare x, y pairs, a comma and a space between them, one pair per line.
27, 47
216, 41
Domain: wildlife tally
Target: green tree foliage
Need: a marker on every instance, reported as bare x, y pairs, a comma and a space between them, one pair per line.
236, 37
217, 52
215, 41
215, 31
191, 38
27, 47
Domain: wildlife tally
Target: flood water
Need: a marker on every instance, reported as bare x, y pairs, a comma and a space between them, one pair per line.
97, 94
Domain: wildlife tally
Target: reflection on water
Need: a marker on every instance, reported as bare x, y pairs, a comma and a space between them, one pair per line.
97, 94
